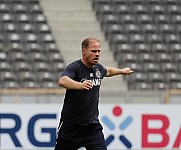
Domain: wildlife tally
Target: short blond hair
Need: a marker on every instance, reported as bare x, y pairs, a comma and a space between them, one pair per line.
86, 42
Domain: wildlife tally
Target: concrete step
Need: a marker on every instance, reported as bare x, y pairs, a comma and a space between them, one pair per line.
70, 17
63, 5
76, 14
78, 32
71, 27
75, 25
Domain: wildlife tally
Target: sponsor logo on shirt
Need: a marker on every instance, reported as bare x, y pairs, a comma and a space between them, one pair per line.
96, 82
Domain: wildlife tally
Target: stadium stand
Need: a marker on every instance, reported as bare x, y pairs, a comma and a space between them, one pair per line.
26, 40
28, 51
144, 34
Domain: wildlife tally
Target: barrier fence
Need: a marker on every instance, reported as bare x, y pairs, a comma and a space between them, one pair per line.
54, 95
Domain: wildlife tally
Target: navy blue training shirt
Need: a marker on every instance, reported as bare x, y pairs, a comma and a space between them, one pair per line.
81, 106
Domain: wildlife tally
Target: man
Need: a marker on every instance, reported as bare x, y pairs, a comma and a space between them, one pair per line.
79, 125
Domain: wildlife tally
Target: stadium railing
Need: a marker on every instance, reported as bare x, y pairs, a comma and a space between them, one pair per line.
31, 95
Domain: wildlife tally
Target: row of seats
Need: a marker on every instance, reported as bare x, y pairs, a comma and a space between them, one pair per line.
161, 60
10, 28
26, 38
152, 67
29, 56
147, 86
144, 35
31, 47
162, 28
152, 73
28, 79
22, 18
139, 6
35, 66
20, 6
153, 49
135, 2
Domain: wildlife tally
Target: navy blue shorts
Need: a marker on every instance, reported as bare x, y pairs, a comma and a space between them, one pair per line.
73, 137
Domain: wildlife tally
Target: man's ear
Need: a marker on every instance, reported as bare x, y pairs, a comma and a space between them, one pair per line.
83, 50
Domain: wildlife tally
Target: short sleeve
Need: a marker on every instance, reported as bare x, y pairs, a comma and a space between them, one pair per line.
103, 70
69, 71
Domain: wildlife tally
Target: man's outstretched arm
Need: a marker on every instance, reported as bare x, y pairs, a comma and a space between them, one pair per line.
111, 71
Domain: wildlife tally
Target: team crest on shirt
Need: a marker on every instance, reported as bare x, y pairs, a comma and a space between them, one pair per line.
98, 74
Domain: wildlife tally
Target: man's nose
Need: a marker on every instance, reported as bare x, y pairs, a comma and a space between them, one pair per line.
97, 53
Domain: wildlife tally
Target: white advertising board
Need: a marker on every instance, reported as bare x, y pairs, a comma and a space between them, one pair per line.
32, 126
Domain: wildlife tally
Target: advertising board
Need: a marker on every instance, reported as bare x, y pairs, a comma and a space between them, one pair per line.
135, 126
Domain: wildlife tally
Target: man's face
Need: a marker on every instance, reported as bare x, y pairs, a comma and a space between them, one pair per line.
92, 53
